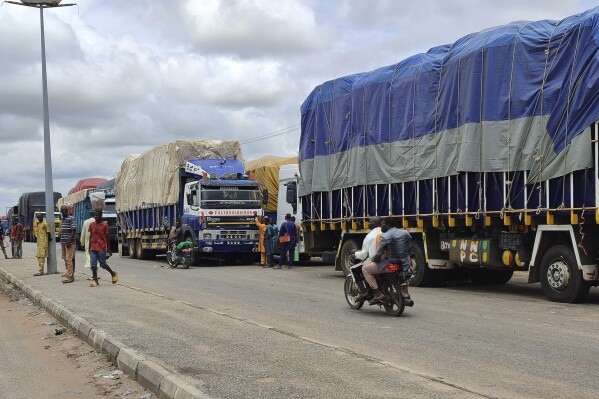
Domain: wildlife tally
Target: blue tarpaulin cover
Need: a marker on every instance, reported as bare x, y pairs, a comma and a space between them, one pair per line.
519, 97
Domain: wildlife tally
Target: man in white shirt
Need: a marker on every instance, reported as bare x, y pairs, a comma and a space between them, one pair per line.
369, 244
84, 239
368, 250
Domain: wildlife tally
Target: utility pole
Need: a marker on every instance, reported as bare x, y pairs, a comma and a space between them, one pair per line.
49, 190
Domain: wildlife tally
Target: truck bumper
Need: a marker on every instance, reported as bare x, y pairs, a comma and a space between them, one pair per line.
227, 246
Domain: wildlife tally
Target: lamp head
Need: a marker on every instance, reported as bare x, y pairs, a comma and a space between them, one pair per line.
42, 2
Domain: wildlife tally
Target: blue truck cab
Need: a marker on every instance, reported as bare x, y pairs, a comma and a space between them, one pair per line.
219, 207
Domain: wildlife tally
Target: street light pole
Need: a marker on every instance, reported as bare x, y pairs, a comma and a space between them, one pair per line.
49, 197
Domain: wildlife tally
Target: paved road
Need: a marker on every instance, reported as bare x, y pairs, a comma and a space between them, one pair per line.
245, 332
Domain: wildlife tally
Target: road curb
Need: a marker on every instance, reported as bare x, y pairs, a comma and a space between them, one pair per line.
161, 382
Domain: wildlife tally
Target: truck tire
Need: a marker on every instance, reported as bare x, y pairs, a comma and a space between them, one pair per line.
344, 254
123, 249
142, 253
132, 248
561, 280
422, 276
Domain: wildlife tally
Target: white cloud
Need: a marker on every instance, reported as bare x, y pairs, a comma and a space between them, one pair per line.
253, 28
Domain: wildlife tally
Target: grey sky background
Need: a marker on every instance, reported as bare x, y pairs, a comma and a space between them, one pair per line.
126, 75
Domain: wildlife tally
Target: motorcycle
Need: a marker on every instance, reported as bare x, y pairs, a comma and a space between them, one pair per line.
390, 285
183, 256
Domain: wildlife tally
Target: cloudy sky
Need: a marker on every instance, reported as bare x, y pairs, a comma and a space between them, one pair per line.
126, 75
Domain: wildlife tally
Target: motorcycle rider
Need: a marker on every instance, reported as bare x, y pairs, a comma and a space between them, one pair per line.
395, 244
176, 235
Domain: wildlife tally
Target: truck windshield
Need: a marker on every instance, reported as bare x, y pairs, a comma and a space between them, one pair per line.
225, 197
110, 207
57, 215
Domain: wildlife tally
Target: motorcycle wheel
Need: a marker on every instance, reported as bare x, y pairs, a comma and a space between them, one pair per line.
397, 302
351, 292
170, 255
187, 260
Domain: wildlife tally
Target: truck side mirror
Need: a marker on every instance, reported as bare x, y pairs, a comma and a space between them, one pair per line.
265, 196
191, 198
291, 195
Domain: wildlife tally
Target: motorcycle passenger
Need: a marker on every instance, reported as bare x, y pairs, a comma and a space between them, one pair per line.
395, 243
368, 251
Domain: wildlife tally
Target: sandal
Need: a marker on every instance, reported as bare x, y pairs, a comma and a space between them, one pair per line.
115, 278
68, 281
38, 274
93, 284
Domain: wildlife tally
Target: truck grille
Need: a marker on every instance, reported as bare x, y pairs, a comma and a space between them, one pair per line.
233, 235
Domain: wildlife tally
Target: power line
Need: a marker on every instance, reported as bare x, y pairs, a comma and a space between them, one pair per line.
276, 133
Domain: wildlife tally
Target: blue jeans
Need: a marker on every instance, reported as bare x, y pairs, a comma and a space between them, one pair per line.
96, 257
287, 248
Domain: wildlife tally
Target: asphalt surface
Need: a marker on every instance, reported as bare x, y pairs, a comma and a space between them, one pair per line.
246, 332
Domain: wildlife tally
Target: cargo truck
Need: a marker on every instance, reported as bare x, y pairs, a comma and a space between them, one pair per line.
485, 150
28, 204
199, 182
80, 205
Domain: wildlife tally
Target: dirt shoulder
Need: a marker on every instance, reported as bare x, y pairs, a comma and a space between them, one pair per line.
38, 363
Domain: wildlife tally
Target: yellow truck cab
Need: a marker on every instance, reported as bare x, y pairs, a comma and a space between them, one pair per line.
57, 223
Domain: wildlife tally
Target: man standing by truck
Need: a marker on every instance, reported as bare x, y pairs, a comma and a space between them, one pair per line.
287, 238
261, 231
16, 238
2, 234
85, 237
67, 243
42, 232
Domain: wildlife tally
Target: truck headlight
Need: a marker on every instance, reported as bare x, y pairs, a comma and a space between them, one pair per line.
207, 236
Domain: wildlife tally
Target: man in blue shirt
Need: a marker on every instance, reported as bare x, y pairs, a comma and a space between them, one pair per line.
289, 230
67, 243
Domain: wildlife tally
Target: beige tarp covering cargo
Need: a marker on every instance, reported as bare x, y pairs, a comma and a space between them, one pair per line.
152, 178
72, 199
266, 170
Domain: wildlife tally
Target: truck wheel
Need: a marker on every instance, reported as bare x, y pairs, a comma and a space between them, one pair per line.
304, 257
346, 264
422, 276
142, 253
561, 280
123, 249
132, 248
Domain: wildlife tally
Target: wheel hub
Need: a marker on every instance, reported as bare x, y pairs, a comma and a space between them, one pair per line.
558, 275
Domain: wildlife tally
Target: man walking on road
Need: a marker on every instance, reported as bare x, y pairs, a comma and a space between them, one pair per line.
99, 237
42, 232
67, 243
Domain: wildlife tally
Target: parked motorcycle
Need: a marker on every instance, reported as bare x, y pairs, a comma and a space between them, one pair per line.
182, 256
389, 284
